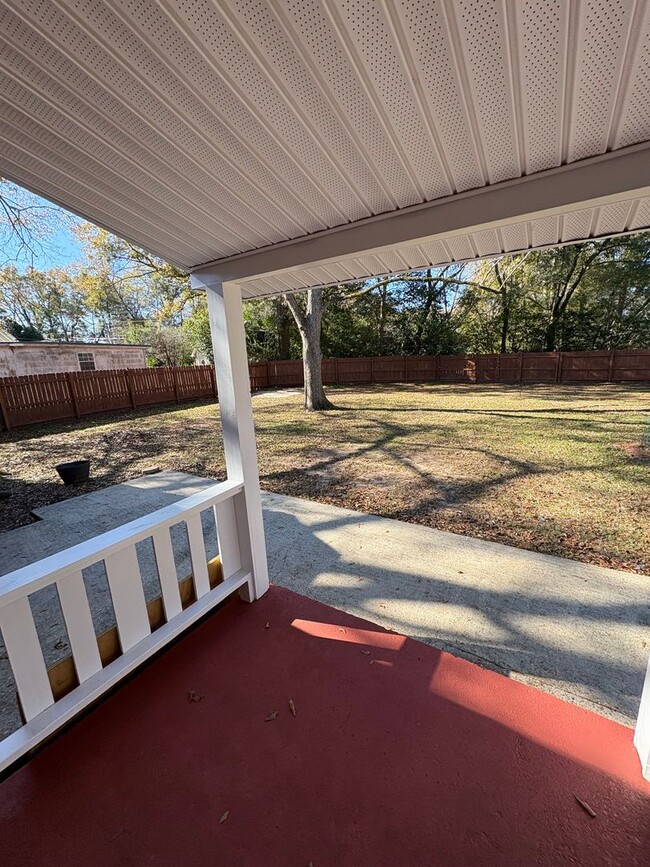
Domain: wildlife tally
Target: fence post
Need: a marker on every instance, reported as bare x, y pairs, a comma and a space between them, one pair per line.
129, 386
174, 381
372, 369
336, 370
4, 409
73, 393
558, 367
436, 367
521, 366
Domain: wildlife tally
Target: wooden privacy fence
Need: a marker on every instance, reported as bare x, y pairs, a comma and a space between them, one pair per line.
48, 397
52, 396
624, 365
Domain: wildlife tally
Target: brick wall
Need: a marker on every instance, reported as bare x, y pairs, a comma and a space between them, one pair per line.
21, 359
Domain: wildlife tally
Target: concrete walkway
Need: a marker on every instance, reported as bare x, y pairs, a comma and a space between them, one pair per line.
578, 631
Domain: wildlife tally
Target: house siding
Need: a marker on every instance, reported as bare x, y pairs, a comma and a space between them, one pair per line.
18, 359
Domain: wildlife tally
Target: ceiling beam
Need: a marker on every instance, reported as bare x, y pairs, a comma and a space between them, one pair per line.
607, 178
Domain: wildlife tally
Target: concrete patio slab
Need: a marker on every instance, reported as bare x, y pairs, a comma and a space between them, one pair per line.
578, 631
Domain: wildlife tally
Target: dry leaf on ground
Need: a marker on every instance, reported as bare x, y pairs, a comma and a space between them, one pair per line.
585, 807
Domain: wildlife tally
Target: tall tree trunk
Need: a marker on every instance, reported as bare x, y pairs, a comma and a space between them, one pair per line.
283, 318
550, 335
505, 323
381, 328
309, 325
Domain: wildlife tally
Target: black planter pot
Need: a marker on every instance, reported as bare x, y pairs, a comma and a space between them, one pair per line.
73, 472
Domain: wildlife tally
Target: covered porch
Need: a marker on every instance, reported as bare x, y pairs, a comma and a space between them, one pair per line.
268, 147
397, 753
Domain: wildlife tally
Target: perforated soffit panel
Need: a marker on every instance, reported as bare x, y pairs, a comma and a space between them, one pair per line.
201, 129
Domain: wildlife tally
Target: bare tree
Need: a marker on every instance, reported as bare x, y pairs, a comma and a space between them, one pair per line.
27, 222
309, 319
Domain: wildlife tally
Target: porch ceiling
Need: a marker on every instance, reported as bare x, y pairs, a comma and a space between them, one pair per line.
203, 129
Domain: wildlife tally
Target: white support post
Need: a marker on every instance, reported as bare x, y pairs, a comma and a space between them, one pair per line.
233, 384
642, 731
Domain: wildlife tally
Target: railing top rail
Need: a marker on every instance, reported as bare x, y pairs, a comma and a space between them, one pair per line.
29, 579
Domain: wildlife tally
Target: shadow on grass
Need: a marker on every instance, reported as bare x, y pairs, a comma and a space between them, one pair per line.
97, 420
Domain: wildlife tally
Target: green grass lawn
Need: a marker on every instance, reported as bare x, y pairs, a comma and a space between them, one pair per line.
558, 469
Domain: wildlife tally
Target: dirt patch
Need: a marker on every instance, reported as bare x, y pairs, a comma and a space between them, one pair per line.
635, 450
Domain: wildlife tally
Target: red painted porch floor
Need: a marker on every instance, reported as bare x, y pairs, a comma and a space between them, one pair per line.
398, 754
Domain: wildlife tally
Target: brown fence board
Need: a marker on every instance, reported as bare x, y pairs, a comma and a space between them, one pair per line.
284, 373
631, 365
539, 367
259, 374
193, 383
30, 399
585, 366
51, 397
421, 368
329, 371
151, 385
390, 368
454, 368
354, 370
99, 391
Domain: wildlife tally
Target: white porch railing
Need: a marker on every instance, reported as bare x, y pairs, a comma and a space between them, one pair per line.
642, 731
116, 549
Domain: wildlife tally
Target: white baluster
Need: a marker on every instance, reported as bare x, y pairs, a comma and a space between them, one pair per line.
224, 515
123, 575
162, 546
198, 555
79, 624
26, 657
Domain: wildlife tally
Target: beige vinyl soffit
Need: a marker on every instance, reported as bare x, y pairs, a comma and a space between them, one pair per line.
204, 129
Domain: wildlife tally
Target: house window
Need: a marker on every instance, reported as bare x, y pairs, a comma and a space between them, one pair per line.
86, 360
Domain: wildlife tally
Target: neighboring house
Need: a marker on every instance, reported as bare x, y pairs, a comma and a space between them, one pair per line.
18, 358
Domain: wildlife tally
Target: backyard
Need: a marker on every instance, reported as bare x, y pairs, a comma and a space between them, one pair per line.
556, 469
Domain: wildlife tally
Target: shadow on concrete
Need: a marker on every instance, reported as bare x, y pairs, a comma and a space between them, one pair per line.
537, 634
